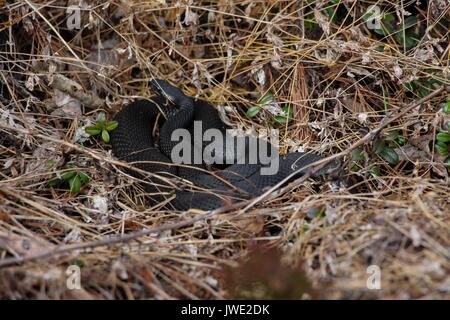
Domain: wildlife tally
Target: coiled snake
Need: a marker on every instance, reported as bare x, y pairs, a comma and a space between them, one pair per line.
132, 141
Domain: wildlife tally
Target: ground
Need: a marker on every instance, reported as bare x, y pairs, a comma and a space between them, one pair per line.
333, 77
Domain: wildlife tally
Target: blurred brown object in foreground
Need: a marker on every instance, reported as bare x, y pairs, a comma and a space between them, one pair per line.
263, 275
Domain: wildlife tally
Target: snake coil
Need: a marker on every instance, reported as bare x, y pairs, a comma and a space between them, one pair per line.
132, 141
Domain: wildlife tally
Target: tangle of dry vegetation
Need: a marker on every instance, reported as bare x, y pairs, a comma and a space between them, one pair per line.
314, 70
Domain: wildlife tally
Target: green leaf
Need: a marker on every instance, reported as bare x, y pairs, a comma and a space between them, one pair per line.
443, 137
378, 146
392, 135
433, 82
410, 21
101, 117
375, 171
100, 124
92, 130
357, 155
265, 99
54, 182
408, 40
447, 107
253, 111
105, 136
386, 25
411, 40
330, 12
281, 119
78, 262
75, 184
389, 18
84, 178
51, 163
389, 155
401, 140
379, 31
396, 136
411, 86
111, 125
66, 176
289, 111
423, 92
310, 25
442, 148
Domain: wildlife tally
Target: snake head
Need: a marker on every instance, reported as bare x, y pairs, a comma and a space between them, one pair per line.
166, 90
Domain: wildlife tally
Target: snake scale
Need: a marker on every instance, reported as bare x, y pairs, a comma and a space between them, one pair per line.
132, 141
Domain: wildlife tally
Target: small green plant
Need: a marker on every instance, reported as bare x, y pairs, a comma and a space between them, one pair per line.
447, 107
442, 148
102, 127
443, 137
79, 262
384, 147
357, 157
253, 111
403, 34
51, 163
265, 100
396, 137
310, 22
422, 87
74, 179
375, 171
386, 152
288, 115
443, 143
332, 10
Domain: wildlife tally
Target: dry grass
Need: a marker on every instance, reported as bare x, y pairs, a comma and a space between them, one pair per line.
341, 79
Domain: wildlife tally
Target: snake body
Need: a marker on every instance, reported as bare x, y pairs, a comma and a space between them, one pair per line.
132, 141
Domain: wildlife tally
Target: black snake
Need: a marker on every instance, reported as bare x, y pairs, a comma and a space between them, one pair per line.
132, 141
